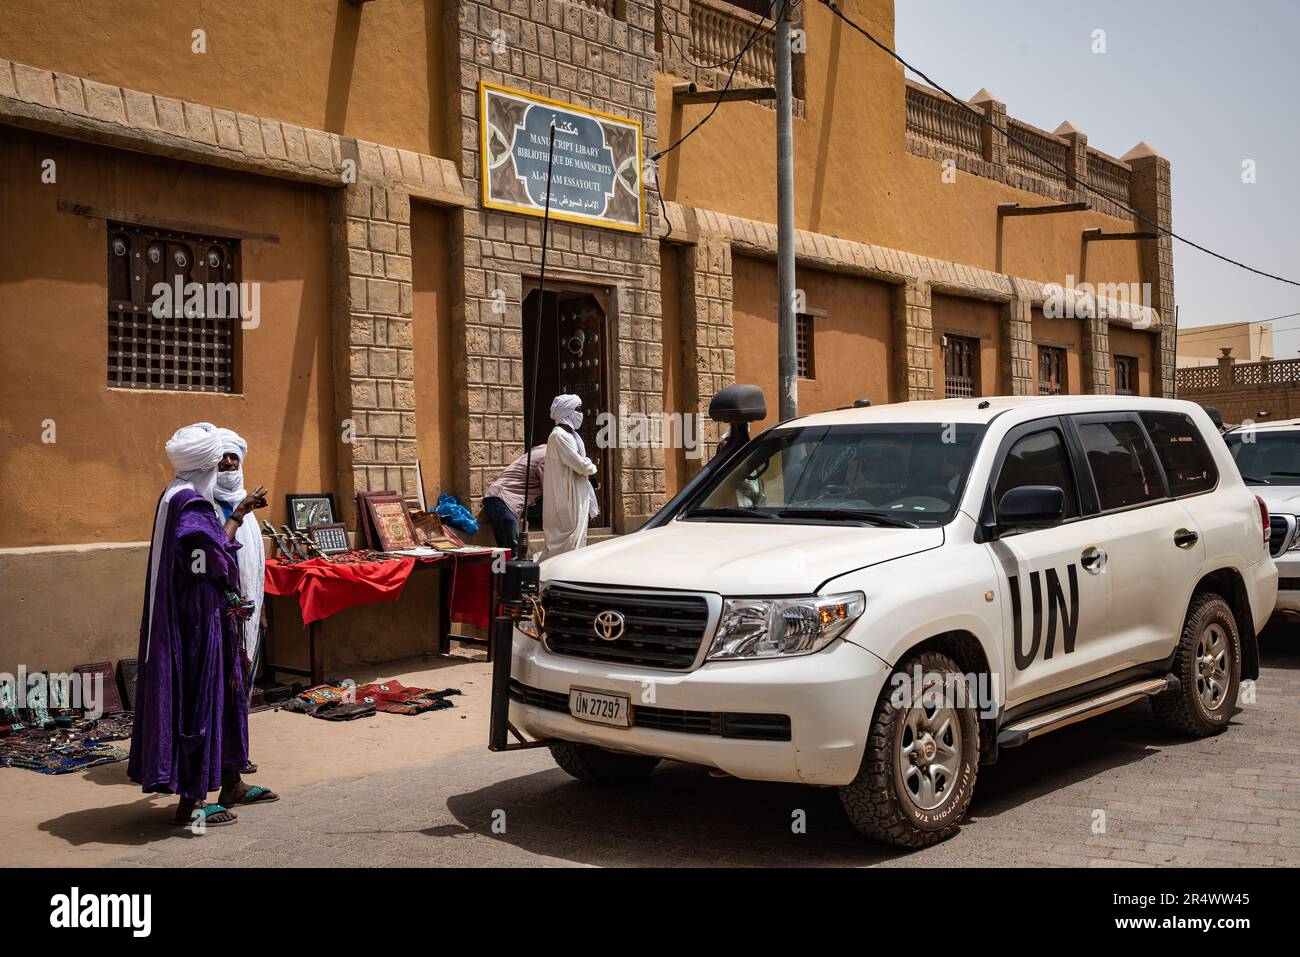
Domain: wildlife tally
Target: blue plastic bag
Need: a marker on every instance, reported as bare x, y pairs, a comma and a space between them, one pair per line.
455, 514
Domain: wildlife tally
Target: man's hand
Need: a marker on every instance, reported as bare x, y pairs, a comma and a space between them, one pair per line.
254, 499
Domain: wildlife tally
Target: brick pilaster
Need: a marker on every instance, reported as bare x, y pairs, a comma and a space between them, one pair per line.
993, 135
1095, 358
1076, 160
1015, 364
374, 363
1152, 198
914, 358
708, 336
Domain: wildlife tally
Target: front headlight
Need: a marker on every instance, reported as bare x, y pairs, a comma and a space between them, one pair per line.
772, 627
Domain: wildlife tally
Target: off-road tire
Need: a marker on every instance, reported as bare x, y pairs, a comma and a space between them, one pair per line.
593, 765
875, 801
1184, 710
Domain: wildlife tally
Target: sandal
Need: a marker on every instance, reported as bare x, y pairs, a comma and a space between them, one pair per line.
256, 794
249, 768
209, 811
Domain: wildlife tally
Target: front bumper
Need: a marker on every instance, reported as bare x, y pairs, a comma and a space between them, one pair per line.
828, 696
1288, 582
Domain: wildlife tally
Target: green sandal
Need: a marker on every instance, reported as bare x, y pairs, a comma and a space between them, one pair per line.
256, 794
208, 811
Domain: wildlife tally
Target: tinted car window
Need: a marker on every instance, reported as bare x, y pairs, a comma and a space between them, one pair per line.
1122, 464
1182, 451
1039, 458
1266, 458
914, 471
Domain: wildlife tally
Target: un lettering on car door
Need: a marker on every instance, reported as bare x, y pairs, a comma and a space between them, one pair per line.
1062, 604
1055, 613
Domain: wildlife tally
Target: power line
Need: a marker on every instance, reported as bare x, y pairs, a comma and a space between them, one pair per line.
834, 8
672, 41
1194, 332
754, 37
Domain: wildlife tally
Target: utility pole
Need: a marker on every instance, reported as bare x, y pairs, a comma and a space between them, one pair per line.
788, 406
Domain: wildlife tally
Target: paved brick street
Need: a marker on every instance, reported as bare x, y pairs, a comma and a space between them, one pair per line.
1230, 800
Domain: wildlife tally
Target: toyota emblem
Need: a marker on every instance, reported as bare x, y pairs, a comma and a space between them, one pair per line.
608, 625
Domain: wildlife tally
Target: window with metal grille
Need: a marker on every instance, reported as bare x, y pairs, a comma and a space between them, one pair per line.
183, 340
1126, 375
960, 362
1051, 370
803, 343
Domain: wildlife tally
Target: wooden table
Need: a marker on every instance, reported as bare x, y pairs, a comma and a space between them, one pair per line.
446, 565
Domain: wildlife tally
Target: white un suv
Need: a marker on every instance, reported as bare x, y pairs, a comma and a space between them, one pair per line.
1268, 457
880, 599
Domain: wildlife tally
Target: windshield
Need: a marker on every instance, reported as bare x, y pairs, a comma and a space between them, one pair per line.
892, 475
1266, 458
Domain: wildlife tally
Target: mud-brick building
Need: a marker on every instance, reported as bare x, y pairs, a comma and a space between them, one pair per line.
361, 172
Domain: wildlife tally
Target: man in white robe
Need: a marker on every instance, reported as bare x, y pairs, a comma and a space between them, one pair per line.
229, 493
568, 500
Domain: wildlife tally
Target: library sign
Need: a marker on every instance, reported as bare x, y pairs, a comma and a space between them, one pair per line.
596, 172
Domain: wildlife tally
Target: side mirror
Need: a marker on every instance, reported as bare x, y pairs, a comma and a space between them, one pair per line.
1031, 506
738, 404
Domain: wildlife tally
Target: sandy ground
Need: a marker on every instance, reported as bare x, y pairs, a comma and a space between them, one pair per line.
86, 818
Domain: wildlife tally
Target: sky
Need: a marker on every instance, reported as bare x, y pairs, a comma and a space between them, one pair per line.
1208, 85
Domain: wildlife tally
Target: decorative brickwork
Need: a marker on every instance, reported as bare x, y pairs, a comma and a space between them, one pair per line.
1152, 198
587, 57
1095, 357
708, 336
1011, 151
1016, 366
373, 340
99, 113
913, 342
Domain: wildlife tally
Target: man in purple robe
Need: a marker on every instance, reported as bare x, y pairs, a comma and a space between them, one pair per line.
191, 720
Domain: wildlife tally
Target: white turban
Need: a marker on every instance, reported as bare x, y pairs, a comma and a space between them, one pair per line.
230, 485
195, 453
194, 448
233, 442
564, 410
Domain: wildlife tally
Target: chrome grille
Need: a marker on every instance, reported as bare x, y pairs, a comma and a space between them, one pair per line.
660, 630
1281, 533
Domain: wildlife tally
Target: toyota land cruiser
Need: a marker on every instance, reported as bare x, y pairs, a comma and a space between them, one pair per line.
881, 599
1268, 457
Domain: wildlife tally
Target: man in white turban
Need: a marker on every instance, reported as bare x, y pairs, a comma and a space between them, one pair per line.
568, 500
230, 492
191, 720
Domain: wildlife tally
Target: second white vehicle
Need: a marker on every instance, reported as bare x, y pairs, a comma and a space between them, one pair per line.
881, 599
1268, 457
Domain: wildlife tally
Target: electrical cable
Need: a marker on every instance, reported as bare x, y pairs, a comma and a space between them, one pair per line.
834, 8
672, 41
754, 37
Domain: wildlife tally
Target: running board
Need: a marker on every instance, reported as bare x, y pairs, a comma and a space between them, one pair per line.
1017, 733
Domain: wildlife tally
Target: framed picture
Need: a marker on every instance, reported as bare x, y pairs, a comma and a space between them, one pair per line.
332, 539
430, 529
384, 516
306, 510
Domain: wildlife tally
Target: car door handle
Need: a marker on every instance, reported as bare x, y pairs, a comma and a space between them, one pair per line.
1186, 538
1093, 559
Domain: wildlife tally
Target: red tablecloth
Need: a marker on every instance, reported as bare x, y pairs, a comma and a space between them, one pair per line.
325, 588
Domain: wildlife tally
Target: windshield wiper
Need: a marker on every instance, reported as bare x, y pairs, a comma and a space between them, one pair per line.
849, 515
728, 511
1251, 480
